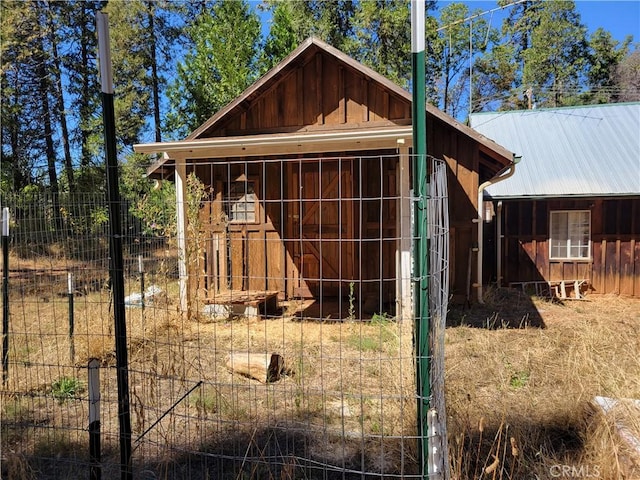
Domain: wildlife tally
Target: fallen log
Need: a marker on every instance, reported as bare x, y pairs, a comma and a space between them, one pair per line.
264, 367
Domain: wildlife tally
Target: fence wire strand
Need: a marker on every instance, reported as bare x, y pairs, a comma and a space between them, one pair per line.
298, 269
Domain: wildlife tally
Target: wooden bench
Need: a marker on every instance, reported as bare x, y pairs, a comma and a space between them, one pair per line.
247, 303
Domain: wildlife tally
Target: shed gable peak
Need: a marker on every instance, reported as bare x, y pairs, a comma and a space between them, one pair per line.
315, 88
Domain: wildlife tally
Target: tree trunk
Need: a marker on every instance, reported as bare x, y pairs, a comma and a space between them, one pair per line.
154, 72
68, 164
44, 87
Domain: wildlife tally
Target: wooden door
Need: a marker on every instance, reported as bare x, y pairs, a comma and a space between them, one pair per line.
322, 227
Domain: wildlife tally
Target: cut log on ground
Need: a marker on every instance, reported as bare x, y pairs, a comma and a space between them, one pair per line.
264, 367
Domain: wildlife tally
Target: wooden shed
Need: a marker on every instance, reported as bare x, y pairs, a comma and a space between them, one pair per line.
569, 219
307, 176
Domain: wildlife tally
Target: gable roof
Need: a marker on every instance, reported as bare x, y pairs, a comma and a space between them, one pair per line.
207, 140
570, 151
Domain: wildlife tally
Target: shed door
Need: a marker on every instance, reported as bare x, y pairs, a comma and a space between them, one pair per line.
324, 254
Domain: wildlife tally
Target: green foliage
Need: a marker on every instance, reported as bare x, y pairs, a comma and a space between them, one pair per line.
556, 59
381, 318
382, 40
219, 65
66, 388
130, 58
456, 53
494, 79
519, 379
283, 35
605, 56
379, 336
153, 202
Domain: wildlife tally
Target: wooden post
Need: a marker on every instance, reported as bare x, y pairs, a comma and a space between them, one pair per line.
94, 419
181, 234
70, 290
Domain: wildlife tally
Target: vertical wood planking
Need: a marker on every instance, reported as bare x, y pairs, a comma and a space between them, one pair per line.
342, 100
319, 91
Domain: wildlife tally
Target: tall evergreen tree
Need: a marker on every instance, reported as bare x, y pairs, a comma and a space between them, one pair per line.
605, 55
130, 59
80, 62
23, 141
55, 18
285, 34
220, 64
293, 22
542, 59
382, 40
555, 63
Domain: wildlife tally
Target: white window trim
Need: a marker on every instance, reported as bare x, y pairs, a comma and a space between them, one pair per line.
231, 202
568, 246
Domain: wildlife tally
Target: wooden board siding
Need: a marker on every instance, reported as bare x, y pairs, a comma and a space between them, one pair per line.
280, 188
462, 157
614, 267
322, 93
306, 237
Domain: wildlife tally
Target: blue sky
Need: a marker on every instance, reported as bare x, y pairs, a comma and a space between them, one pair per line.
620, 17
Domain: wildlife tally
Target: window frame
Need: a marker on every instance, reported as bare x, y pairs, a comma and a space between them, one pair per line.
229, 201
567, 227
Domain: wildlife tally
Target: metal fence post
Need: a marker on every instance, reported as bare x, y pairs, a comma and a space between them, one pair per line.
5, 294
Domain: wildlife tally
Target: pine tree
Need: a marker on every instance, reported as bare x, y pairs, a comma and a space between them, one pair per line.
462, 41
605, 55
220, 64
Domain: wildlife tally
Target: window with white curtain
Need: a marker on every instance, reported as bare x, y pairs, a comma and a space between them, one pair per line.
570, 235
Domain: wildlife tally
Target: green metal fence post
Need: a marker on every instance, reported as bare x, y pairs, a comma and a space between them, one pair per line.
420, 250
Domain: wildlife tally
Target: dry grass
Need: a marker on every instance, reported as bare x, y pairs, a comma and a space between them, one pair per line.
521, 374
347, 403
536, 385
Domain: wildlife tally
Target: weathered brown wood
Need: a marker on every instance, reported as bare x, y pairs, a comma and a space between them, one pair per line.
612, 268
320, 115
264, 367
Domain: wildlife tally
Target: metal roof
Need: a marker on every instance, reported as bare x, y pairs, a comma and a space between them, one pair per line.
570, 151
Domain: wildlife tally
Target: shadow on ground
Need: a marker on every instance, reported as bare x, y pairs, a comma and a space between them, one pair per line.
502, 308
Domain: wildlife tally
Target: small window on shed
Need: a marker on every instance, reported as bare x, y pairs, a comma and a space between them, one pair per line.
570, 235
241, 202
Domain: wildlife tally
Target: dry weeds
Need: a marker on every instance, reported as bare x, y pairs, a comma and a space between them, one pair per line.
521, 374
536, 384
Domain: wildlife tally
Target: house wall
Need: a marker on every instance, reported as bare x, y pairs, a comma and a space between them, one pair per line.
614, 267
325, 94
321, 225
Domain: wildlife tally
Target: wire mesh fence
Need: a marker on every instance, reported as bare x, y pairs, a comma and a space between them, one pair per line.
274, 339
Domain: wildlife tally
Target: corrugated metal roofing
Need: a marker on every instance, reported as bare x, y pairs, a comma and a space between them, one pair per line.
571, 151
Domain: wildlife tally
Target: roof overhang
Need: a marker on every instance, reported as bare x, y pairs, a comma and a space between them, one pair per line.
579, 196
276, 144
